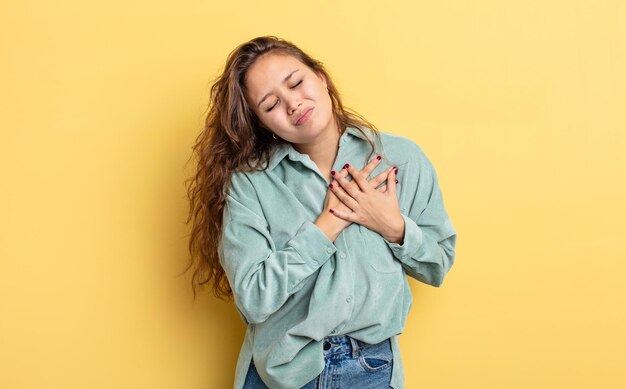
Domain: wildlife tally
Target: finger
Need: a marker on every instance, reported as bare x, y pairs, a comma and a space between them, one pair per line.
383, 188
343, 196
379, 179
342, 172
349, 186
345, 215
360, 180
369, 168
392, 180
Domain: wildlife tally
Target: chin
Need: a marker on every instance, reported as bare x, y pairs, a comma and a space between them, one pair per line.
306, 136
315, 131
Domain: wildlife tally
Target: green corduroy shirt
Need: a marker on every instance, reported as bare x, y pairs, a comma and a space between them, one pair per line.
292, 286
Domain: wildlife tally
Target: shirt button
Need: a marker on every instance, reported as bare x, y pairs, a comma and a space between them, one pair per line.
329, 250
326, 346
396, 248
349, 299
342, 255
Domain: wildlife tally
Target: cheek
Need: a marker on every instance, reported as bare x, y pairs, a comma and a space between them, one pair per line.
325, 100
324, 95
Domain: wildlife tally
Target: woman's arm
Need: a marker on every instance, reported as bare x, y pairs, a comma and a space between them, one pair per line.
427, 252
261, 275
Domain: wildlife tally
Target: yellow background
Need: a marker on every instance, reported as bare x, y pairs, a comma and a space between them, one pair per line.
519, 104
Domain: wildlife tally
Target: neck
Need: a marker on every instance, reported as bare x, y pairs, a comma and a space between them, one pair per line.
323, 150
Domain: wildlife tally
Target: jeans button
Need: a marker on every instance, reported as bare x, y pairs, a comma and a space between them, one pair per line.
326, 345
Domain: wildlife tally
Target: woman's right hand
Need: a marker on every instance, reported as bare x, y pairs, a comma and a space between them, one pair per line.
332, 225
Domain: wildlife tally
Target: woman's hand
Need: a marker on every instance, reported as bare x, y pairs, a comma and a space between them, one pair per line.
373, 208
333, 225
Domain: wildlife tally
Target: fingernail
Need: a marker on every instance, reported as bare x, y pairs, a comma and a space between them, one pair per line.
397, 181
347, 165
331, 211
332, 172
395, 171
379, 158
331, 185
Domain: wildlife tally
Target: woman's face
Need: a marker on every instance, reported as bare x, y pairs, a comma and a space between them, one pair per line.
280, 90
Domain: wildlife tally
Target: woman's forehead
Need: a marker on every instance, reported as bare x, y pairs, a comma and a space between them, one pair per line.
274, 65
270, 71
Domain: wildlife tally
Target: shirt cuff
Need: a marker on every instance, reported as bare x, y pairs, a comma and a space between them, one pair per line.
312, 244
413, 237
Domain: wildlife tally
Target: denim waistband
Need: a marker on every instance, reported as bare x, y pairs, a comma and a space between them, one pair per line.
341, 344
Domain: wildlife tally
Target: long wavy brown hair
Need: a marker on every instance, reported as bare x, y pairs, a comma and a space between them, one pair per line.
233, 139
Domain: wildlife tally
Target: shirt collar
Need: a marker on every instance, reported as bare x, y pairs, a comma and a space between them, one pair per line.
285, 149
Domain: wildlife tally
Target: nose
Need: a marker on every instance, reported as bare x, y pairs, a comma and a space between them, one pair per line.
292, 104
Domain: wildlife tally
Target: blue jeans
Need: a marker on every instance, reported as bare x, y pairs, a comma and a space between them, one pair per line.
349, 363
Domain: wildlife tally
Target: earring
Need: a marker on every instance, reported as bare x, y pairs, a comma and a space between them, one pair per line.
274, 136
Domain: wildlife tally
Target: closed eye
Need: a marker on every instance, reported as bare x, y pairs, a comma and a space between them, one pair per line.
272, 107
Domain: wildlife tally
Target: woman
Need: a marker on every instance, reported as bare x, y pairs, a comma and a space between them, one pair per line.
310, 217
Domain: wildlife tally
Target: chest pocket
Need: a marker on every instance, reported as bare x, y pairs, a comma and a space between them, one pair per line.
377, 253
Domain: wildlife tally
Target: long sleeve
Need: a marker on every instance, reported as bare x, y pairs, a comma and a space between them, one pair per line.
261, 275
427, 252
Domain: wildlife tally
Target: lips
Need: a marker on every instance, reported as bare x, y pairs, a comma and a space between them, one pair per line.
305, 115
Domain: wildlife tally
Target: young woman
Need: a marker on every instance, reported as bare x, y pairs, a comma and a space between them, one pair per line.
311, 218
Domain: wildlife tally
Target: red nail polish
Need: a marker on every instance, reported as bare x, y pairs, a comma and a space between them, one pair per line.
347, 165
379, 158
397, 181
395, 171
331, 185
332, 172
331, 211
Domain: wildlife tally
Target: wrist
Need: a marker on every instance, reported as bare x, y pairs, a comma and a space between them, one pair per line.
329, 225
395, 233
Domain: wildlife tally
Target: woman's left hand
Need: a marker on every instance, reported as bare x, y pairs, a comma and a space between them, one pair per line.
377, 210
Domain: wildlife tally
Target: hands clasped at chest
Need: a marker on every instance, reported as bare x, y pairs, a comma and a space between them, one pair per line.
364, 202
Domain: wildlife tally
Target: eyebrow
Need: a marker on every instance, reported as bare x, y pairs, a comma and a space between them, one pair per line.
284, 81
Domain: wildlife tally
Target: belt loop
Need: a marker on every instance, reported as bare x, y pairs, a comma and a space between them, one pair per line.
355, 348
